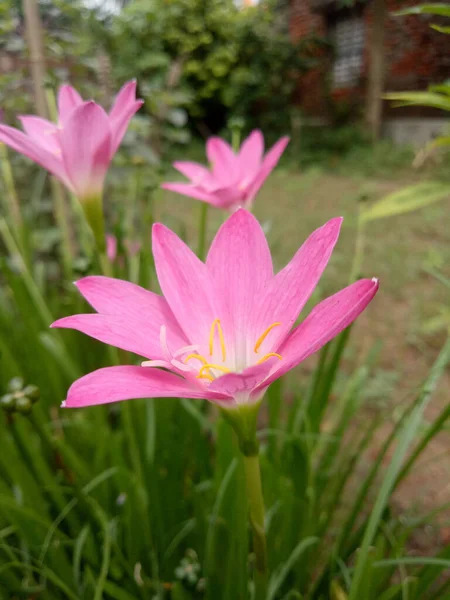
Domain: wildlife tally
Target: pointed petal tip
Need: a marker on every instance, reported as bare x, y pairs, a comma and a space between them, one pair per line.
243, 216
64, 404
159, 230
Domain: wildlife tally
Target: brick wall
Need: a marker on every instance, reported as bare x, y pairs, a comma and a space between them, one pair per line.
304, 22
416, 55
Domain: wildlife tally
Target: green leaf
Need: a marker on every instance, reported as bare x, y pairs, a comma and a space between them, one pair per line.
279, 577
429, 98
426, 9
405, 439
441, 29
407, 200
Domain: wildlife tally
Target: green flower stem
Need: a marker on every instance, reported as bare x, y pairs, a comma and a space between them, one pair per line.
202, 230
93, 212
256, 513
60, 212
235, 138
358, 254
243, 420
10, 188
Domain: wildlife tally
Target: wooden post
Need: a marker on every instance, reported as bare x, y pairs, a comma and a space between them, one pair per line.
33, 28
375, 85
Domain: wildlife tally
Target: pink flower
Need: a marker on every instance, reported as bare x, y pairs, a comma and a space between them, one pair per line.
224, 329
79, 148
234, 179
132, 248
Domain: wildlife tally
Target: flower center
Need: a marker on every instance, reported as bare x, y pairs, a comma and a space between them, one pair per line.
207, 368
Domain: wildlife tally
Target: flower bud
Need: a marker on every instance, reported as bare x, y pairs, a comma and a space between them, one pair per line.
8, 403
23, 405
15, 384
32, 392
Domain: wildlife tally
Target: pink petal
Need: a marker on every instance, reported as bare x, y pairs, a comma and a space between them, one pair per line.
144, 309
241, 267
186, 285
250, 155
229, 198
113, 384
325, 321
124, 108
41, 131
223, 160
268, 164
86, 147
187, 189
119, 126
125, 97
140, 336
193, 171
241, 385
20, 142
68, 100
291, 288
111, 247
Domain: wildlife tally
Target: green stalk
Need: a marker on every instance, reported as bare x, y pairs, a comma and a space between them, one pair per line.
61, 218
235, 138
256, 514
243, 420
11, 193
202, 231
93, 212
63, 226
34, 291
359, 248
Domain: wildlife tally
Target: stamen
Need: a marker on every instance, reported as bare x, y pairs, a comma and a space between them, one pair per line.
222, 340
212, 366
262, 337
199, 357
163, 343
205, 376
185, 350
155, 363
267, 356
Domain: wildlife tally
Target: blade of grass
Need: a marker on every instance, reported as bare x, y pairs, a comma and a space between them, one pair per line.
405, 439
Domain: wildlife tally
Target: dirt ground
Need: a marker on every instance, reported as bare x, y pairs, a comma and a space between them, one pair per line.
398, 250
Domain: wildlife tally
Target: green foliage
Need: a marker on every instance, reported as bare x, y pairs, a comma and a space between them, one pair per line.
227, 62
437, 96
406, 200
440, 8
260, 88
198, 36
349, 150
146, 499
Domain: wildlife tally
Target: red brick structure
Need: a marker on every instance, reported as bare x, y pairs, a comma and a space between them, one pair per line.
415, 54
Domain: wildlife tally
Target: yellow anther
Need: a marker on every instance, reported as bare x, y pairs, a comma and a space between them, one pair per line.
212, 366
264, 335
222, 340
267, 356
199, 357
205, 376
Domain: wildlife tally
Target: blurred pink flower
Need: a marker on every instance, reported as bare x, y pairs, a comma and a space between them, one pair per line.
234, 179
223, 329
132, 248
79, 148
